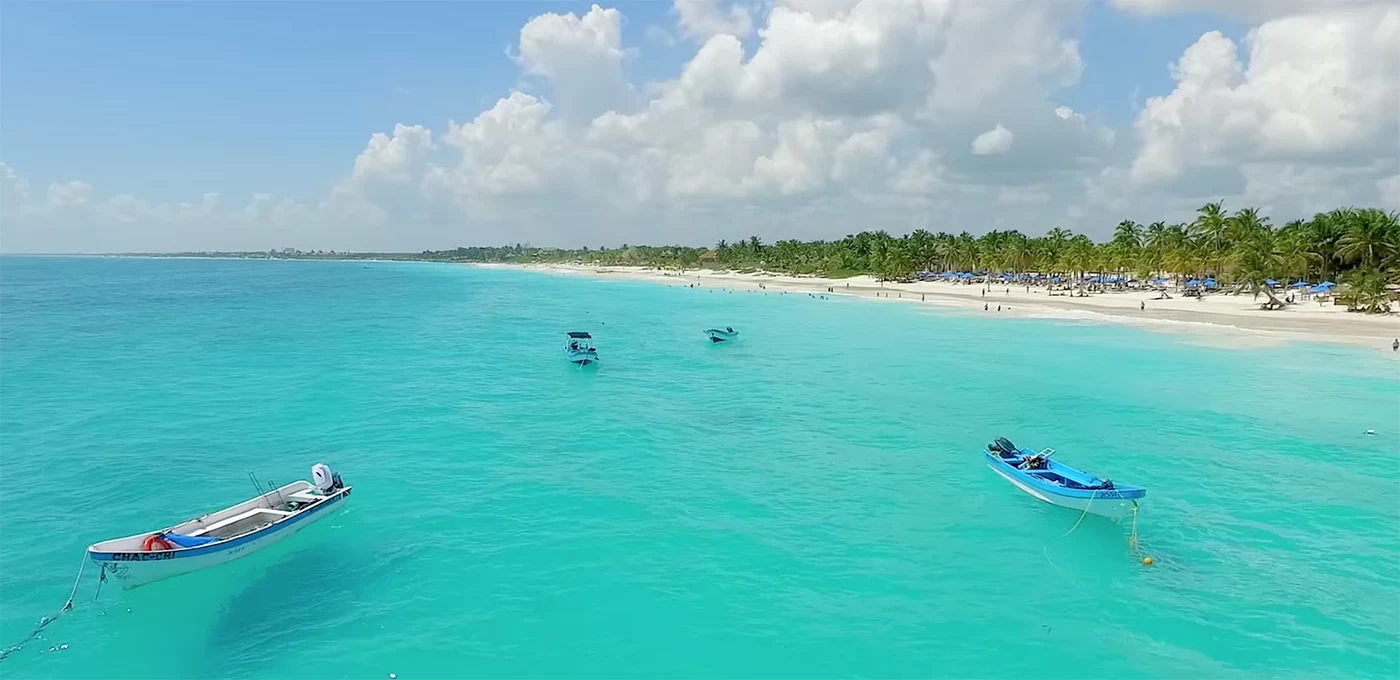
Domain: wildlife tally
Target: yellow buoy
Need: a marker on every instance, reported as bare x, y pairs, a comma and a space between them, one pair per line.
1147, 561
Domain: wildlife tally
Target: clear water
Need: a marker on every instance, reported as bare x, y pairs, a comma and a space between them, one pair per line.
808, 502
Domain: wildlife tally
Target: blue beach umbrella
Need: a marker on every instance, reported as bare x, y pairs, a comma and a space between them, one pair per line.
1325, 285
1301, 284
1270, 283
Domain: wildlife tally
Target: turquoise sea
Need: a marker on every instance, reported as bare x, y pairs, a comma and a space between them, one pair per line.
808, 502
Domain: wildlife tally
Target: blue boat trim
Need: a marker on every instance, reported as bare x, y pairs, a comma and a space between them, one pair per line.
220, 546
1008, 460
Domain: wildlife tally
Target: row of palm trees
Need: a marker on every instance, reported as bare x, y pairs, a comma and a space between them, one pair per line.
1243, 250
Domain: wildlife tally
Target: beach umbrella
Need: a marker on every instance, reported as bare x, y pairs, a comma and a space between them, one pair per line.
1210, 283
1324, 286
1270, 283
1301, 284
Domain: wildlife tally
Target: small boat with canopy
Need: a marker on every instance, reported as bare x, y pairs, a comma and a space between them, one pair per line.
721, 334
223, 536
1058, 484
579, 348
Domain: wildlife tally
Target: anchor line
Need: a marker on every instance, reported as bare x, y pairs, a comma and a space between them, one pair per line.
1082, 514
1133, 537
44, 622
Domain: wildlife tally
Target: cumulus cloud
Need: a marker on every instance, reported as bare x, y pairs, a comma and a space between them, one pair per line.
841, 115
580, 56
704, 19
1321, 87
1248, 10
994, 141
1389, 189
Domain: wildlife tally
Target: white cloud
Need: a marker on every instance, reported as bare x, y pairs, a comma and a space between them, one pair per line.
1248, 10
1389, 190
69, 194
581, 57
994, 141
704, 19
658, 35
1320, 87
841, 115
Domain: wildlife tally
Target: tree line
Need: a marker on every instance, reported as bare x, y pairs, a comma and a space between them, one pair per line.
1358, 247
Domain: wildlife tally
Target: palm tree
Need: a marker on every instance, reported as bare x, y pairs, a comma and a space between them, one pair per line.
1128, 234
1371, 236
1323, 233
1210, 230
1361, 247
1368, 292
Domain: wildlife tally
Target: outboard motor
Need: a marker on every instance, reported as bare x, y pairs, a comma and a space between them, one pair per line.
1004, 446
325, 479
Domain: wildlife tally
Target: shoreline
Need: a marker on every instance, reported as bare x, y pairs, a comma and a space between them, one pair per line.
1217, 320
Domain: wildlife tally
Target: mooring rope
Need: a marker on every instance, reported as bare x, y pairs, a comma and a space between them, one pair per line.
1082, 514
44, 622
1133, 537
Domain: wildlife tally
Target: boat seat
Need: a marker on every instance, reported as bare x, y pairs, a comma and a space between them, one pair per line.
238, 518
304, 497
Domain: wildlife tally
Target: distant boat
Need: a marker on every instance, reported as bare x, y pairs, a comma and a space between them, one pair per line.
721, 334
579, 349
222, 536
1058, 484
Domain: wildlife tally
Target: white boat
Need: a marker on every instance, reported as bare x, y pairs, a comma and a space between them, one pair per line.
222, 536
580, 350
721, 334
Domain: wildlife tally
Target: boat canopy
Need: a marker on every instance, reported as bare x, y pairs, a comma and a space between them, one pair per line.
579, 334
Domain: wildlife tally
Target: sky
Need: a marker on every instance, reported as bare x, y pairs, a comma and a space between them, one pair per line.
405, 126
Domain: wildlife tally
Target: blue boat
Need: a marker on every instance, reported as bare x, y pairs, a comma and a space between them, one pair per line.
580, 350
1058, 484
721, 334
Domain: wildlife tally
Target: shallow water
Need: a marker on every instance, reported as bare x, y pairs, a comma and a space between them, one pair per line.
809, 501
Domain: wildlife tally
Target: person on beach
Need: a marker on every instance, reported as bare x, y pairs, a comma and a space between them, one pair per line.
1142, 306
998, 308
1395, 346
984, 306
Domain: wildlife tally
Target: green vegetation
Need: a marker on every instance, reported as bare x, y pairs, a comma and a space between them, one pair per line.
1359, 248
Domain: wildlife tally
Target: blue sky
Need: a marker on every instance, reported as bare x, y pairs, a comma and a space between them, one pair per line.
325, 124
172, 100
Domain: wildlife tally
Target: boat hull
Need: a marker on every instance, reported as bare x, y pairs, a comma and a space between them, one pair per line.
138, 568
1095, 503
583, 358
720, 335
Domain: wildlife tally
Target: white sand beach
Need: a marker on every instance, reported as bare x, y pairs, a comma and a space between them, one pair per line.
1217, 319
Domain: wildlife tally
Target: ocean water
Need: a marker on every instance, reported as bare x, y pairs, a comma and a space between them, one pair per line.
808, 502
